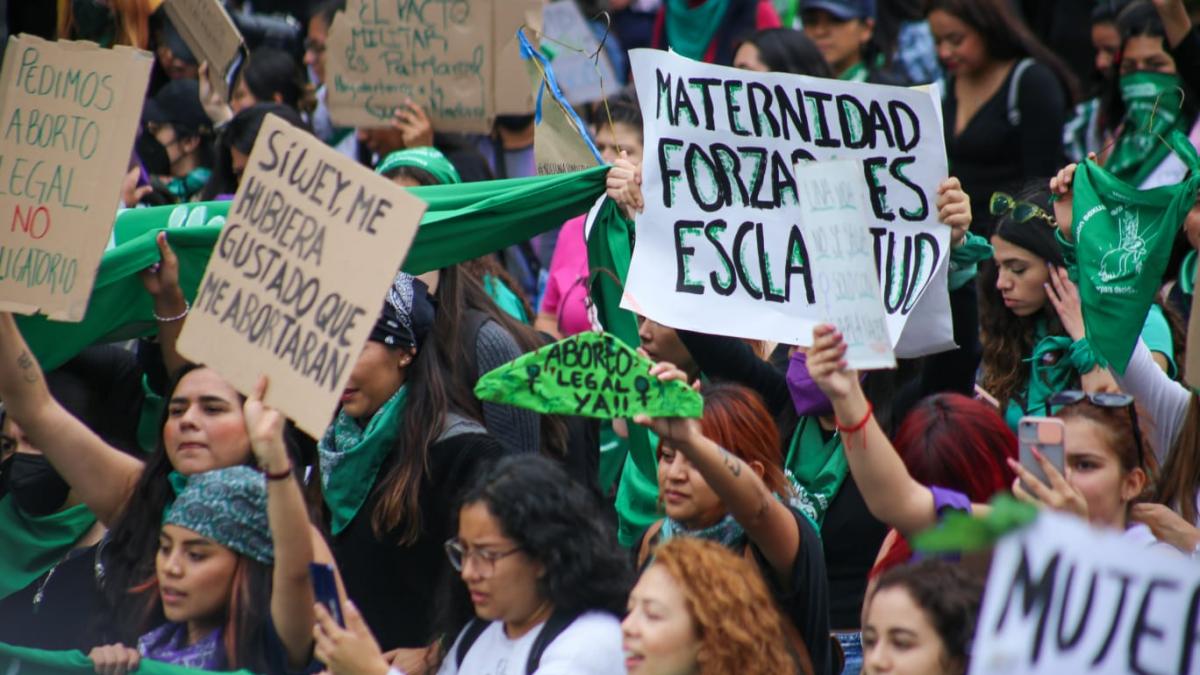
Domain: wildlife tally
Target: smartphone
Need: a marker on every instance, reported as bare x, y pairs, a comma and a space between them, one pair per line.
1047, 435
325, 590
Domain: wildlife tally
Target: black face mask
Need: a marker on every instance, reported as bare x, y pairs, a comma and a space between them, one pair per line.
153, 154
35, 486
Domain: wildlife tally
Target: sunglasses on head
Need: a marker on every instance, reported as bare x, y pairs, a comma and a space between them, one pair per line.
1022, 212
1105, 399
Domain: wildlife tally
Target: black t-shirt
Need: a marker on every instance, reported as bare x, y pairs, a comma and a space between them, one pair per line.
64, 616
392, 584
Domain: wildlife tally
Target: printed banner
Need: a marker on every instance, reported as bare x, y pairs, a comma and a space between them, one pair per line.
445, 56
590, 374
309, 248
1054, 606
69, 112
213, 38
719, 246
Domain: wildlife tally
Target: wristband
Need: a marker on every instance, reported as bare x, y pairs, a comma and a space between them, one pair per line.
282, 475
187, 307
858, 426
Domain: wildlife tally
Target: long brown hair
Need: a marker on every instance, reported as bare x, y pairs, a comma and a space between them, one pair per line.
1181, 473
1117, 426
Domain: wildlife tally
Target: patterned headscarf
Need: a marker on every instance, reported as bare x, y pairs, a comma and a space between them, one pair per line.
407, 315
228, 506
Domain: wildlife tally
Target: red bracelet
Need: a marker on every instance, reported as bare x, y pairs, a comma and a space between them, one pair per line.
861, 423
282, 475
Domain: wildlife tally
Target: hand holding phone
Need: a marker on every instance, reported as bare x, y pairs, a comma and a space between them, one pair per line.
325, 590
1046, 435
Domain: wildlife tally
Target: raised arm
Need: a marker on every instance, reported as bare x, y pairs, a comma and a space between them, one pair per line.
100, 474
291, 591
768, 523
170, 307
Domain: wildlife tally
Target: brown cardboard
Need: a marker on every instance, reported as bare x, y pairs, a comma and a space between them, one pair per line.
1191, 368
558, 146
211, 35
298, 277
511, 98
445, 56
68, 115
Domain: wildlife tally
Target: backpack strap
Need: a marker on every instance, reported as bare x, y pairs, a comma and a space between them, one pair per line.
470, 634
649, 541
555, 625
790, 632
1014, 113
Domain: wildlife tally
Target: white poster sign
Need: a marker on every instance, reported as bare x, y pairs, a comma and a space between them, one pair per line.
719, 246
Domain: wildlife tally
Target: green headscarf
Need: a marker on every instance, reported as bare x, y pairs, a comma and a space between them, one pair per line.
1153, 105
691, 29
430, 160
34, 544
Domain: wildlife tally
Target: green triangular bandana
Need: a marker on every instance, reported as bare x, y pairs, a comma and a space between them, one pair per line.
1123, 242
589, 374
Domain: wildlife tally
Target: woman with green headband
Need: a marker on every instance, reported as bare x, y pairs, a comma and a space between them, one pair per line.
231, 582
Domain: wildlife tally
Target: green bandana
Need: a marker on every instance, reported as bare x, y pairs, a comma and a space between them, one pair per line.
1187, 273
728, 532
228, 506
1152, 109
351, 456
34, 544
1123, 242
194, 182
430, 160
817, 468
691, 29
855, 73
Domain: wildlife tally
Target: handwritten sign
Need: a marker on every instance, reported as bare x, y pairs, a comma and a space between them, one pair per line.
69, 112
834, 223
212, 36
573, 43
1054, 606
443, 55
721, 197
589, 374
309, 248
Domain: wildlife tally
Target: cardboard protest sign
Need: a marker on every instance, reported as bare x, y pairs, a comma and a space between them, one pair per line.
572, 43
589, 374
1054, 606
561, 142
834, 222
213, 38
299, 272
442, 55
69, 112
719, 248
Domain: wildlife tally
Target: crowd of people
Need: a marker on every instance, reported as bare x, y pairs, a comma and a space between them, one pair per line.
148, 510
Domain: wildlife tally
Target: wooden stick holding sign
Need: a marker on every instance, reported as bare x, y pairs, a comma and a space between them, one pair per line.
212, 36
69, 112
299, 273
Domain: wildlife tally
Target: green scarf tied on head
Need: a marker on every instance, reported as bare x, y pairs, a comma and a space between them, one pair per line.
691, 29
1153, 106
430, 160
34, 544
350, 457
817, 468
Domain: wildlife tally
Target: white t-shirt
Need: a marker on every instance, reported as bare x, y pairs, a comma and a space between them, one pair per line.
591, 645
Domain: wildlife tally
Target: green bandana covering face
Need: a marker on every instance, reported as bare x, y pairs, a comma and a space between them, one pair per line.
1152, 109
351, 456
691, 29
31, 545
430, 160
1123, 241
817, 468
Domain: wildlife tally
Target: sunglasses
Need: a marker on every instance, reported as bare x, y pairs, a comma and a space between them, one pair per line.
1105, 400
1022, 212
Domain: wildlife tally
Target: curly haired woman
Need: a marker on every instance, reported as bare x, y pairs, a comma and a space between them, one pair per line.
699, 608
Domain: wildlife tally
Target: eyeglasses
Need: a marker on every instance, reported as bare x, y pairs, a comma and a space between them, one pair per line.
1022, 212
1105, 399
485, 558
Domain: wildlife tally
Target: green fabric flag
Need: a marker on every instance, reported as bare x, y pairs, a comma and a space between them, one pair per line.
816, 466
463, 222
691, 29
589, 374
1123, 238
25, 661
1153, 107
958, 532
33, 544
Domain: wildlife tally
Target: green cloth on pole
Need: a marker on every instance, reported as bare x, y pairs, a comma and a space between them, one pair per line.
33, 544
463, 222
25, 661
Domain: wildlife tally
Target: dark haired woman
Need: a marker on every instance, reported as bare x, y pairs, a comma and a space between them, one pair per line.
1006, 98
235, 143
269, 75
543, 571
845, 34
781, 50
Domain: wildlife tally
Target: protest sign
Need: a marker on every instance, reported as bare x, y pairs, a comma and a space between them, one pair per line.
579, 62
298, 275
834, 222
444, 56
561, 142
213, 38
69, 112
589, 374
721, 198
1054, 606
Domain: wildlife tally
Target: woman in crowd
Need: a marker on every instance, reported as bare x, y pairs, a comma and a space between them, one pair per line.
700, 609
781, 50
231, 586
269, 75
544, 574
1083, 132
235, 143
1006, 98
844, 31
921, 619
721, 478
175, 144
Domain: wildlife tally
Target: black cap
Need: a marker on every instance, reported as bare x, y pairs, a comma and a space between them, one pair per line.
178, 104
843, 9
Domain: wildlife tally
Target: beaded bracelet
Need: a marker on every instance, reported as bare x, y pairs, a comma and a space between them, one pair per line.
187, 307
